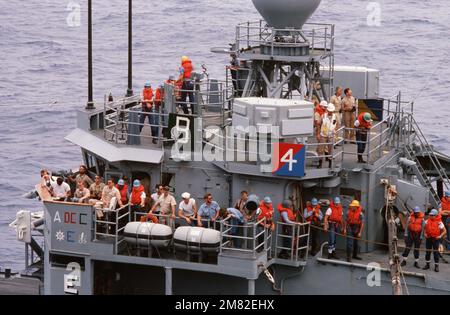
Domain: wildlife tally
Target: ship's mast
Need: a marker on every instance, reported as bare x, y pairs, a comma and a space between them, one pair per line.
130, 49
90, 103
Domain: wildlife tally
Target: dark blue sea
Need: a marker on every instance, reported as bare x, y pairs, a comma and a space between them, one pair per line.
43, 61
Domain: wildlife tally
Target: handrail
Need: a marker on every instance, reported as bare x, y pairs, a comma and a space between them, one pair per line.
429, 151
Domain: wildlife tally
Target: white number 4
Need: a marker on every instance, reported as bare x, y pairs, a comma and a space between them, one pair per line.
289, 158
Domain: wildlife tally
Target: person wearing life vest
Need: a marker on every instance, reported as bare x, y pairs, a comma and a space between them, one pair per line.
334, 224
314, 216
187, 84
156, 113
137, 200
266, 211
363, 125
413, 235
434, 232
123, 189
354, 227
289, 218
319, 110
445, 212
147, 105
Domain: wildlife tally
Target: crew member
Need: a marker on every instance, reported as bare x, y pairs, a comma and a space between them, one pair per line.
234, 70
336, 100
434, 232
137, 199
319, 110
334, 224
414, 235
157, 108
265, 211
363, 125
354, 228
187, 84
327, 132
314, 216
240, 203
123, 189
289, 220
445, 212
187, 210
147, 105
349, 110
208, 211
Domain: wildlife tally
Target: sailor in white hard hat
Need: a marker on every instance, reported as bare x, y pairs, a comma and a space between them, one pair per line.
326, 135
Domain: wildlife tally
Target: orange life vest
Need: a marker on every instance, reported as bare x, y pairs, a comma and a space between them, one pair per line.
354, 217
290, 213
362, 123
123, 193
313, 218
445, 204
147, 97
136, 195
336, 213
432, 227
150, 217
415, 223
319, 110
266, 212
159, 96
188, 68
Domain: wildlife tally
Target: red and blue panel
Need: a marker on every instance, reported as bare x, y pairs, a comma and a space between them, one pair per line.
288, 159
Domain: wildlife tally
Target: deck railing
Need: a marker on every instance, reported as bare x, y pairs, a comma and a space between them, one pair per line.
320, 37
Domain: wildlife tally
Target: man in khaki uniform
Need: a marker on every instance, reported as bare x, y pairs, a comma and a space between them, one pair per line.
349, 110
336, 100
326, 135
167, 204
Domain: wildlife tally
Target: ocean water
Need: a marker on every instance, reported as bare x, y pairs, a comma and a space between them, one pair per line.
43, 61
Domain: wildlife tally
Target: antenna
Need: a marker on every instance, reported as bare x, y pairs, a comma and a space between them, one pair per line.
130, 49
90, 103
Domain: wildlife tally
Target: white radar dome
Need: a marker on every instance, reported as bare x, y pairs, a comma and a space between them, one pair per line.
286, 13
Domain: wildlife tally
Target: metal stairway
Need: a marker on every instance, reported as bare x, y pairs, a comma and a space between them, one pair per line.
416, 145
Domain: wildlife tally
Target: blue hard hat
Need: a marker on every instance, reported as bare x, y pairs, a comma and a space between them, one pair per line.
137, 183
417, 210
267, 200
121, 182
337, 200
447, 194
314, 202
148, 84
434, 213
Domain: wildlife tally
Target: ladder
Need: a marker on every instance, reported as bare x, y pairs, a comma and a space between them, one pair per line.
420, 145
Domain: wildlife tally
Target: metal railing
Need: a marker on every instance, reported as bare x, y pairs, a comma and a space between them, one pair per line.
320, 37
255, 237
113, 220
296, 236
212, 99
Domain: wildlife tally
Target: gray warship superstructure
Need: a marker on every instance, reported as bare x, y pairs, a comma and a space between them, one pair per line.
226, 145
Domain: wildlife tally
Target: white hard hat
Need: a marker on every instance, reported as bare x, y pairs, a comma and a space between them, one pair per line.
186, 195
324, 104
331, 108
